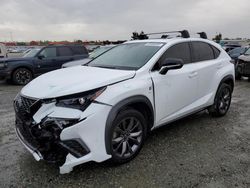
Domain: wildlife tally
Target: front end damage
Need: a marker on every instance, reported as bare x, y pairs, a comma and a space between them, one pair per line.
39, 127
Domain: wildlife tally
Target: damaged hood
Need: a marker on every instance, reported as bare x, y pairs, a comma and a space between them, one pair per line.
73, 80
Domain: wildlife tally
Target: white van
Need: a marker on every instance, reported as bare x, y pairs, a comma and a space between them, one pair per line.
3, 51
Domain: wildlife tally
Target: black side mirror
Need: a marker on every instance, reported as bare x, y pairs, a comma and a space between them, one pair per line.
40, 56
170, 64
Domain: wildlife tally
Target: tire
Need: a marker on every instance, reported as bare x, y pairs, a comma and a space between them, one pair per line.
222, 101
21, 76
128, 133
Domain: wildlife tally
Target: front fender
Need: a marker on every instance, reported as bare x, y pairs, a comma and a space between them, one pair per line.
18, 64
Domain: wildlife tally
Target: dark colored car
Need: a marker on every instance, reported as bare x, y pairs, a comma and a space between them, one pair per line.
243, 65
229, 47
98, 51
38, 61
236, 52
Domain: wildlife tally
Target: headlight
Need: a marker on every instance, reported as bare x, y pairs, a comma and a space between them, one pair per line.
79, 101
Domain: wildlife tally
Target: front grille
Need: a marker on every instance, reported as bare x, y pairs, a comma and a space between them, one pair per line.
26, 103
25, 107
24, 130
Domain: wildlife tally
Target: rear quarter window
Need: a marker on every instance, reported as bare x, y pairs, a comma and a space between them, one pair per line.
216, 52
64, 51
79, 50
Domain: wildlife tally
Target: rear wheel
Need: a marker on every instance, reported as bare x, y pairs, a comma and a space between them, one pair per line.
128, 133
222, 101
21, 76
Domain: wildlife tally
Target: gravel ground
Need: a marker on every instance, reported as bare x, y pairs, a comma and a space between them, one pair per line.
198, 151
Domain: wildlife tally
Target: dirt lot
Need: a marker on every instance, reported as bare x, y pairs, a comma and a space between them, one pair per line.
198, 151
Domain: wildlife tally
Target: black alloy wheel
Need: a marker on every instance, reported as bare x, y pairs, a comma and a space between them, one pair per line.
222, 101
22, 76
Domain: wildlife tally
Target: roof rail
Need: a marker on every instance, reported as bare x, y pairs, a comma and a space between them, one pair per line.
184, 33
142, 35
203, 35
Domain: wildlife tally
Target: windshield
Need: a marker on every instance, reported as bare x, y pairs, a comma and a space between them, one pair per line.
130, 56
247, 52
237, 50
99, 51
32, 53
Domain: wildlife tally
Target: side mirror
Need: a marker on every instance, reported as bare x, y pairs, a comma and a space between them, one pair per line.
170, 64
40, 56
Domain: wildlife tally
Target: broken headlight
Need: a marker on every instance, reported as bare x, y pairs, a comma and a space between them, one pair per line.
79, 101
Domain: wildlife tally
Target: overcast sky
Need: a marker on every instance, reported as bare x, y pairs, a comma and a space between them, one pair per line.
116, 19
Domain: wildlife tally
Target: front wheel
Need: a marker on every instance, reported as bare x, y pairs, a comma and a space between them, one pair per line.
222, 101
128, 133
21, 76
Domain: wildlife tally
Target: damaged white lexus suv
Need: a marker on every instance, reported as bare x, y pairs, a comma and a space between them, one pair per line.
105, 109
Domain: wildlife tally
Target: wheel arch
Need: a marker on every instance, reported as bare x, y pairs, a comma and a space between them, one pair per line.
140, 103
229, 79
22, 66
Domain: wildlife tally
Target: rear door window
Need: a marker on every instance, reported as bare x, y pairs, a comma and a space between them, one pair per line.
203, 51
79, 50
64, 51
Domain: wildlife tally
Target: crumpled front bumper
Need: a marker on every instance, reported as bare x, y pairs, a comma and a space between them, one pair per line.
36, 154
89, 130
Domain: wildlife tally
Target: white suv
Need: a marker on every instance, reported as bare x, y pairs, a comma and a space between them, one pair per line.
104, 110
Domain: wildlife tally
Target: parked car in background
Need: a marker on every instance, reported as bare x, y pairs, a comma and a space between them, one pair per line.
98, 51
243, 65
228, 47
236, 52
3, 51
38, 61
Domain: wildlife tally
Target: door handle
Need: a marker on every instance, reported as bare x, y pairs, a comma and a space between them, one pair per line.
193, 74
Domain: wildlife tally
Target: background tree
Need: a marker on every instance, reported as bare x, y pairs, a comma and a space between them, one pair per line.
218, 37
136, 36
